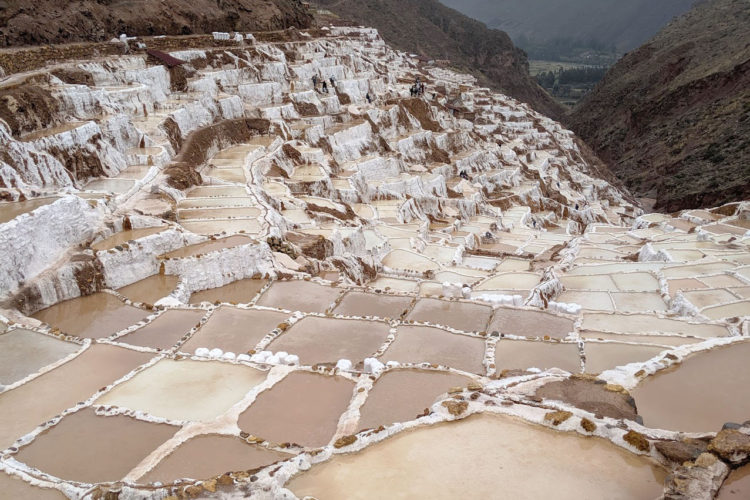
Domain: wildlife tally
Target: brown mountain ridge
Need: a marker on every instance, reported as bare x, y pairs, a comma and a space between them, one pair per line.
672, 118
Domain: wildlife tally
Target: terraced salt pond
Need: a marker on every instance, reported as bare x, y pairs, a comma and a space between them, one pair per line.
94, 316
13, 209
484, 455
702, 393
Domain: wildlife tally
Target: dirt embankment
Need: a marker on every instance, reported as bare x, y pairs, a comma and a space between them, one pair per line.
51, 22
202, 143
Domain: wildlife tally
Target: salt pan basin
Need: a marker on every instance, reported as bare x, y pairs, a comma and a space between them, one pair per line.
484, 456
169, 389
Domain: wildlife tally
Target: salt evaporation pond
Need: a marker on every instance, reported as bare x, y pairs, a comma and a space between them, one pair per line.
480, 457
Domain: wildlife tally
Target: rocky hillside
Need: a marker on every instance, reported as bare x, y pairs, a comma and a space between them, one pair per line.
48, 21
429, 28
672, 118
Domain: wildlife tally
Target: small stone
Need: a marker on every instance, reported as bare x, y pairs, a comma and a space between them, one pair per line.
456, 408
210, 485
455, 390
731, 445
474, 386
637, 441
588, 425
225, 480
557, 417
681, 451
344, 441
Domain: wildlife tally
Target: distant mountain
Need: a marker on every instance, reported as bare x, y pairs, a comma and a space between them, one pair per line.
49, 21
428, 28
672, 118
619, 25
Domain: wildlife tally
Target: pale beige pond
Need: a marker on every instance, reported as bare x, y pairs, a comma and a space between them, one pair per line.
480, 457
169, 389
645, 323
23, 352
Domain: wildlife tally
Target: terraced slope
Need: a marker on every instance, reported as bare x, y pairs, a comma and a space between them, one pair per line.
430, 29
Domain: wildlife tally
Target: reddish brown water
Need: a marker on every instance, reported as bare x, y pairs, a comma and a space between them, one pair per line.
304, 408
125, 236
528, 323
521, 354
484, 456
298, 295
164, 331
208, 246
94, 316
701, 394
25, 407
237, 292
151, 289
204, 457
736, 486
11, 210
234, 330
417, 344
401, 395
372, 304
89, 448
186, 389
459, 315
23, 352
321, 340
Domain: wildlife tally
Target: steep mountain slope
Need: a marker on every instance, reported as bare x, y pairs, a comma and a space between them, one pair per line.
624, 24
672, 118
48, 21
428, 28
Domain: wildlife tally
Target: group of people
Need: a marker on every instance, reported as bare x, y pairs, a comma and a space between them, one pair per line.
417, 89
324, 84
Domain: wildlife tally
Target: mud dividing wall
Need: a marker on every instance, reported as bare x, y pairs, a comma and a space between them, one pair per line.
201, 144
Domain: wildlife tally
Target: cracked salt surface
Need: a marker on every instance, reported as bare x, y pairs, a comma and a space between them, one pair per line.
319, 306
